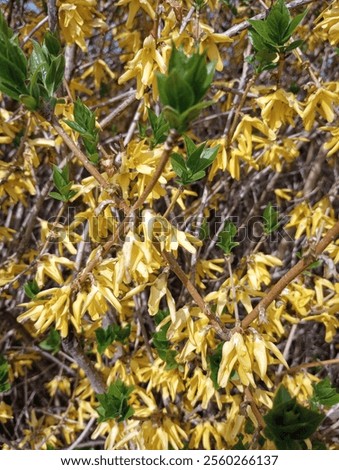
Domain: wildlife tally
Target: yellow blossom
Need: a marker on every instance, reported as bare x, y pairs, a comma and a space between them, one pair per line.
77, 20
144, 65
279, 108
6, 412
328, 23
321, 101
133, 8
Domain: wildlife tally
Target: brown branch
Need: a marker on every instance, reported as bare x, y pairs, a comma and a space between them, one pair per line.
72, 347
304, 263
81, 156
216, 323
52, 15
245, 24
255, 410
308, 365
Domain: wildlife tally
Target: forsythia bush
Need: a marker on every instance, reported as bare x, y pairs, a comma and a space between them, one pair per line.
169, 194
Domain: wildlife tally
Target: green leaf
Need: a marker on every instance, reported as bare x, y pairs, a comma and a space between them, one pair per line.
226, 238
10, 89
160, 316
52, 43
75, 126
204, 231
60, 177
293, 45
288, 423
178, 164
214, 363
324, 394
179, 93
5, 31
57, 196
52, 343
105, 337
278, 21
261, 29
31, 289
29, 101
259, 43
4, 369
114, 403
162, 346
202, 158
270, 216
294, 23
55, 74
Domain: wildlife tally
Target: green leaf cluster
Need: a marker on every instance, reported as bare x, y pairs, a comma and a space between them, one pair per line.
114, 403
62, 184
31, 289
183, 88
33, 82
13, 63
226, 238
324, 394
161, 343
106, 336
198, 159
288, 424
52, 343
270, 216
270, 36
84, 124
46, 72
4, 368
160, 128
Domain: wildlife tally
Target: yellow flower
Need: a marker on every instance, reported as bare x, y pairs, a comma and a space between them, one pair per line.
333, 144
100, 71
6, 412
257, 272
279, 108
330, 23
143, 66
320, 101
133, 8
246, 354
308, 219
44, 311
77, 20
330, 322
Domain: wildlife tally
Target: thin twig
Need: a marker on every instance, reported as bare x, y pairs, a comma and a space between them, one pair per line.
304, 263
216, 323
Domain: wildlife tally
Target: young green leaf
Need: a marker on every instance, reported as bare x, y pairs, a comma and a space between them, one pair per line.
84, 124
214, 362
270, 216
182, 90
162, 345
324, 394
4, 369
226, 238
288, 423
31, 289
160, 128
105, 337
52, 343
62, 184
114, 403
204, 231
